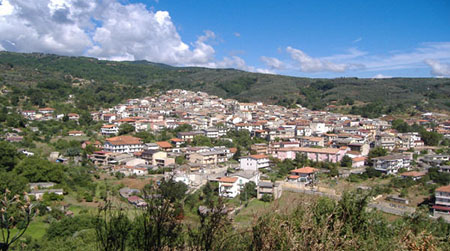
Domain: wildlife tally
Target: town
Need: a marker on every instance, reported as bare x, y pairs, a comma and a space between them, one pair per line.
230, 143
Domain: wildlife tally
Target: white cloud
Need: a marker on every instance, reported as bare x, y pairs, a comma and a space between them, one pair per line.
437, 68
237, 34
357, 40
380, 76
105, 29
272, 63
310, 64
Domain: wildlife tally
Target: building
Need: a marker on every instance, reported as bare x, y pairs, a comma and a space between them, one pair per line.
392, 163
76, 133
311, 141
315, 154
414, 175
254, 162
157, 158
109, 130
305, 175
273, 189
442, 203
123, 144
231, 186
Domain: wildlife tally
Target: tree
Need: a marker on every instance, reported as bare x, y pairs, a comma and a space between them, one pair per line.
158, 227
112, 228
376, 152
346, 161
213, 228
248, 192
15, 213
126, 129
8, 156
172, 190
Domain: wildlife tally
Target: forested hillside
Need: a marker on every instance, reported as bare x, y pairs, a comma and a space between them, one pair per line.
40, 79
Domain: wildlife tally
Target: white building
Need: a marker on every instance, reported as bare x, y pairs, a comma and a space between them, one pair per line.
442, 203
392, 163
231, 186
254, 162
109, 130
123, 144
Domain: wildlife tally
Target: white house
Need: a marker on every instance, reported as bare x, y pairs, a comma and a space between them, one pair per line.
109, 130
123, 144
254, 162
231, 186
392, 163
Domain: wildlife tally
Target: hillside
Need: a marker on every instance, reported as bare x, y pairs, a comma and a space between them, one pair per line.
95, 83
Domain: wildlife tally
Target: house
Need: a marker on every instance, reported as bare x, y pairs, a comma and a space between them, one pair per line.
273, 189
254, 162
260, 148
97, 144
386, 141
73, 116
123, 144
164, 145
47, 110
231, 186
137, 201
311, 141
189, 136
211, 133
157, 158
109, 130
304, 175
442, 203
38, 194
414, 175
358, 162
76, 133
315, 154
392, 163
228, 187
41, 185
177, 142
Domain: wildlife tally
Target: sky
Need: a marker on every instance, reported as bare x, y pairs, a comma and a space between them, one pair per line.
320, 39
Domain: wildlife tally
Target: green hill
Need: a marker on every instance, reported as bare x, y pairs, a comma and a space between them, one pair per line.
43, 79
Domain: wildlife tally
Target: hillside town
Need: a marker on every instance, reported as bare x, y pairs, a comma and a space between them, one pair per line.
278, 134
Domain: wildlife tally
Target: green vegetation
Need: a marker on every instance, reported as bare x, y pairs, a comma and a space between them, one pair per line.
47, 80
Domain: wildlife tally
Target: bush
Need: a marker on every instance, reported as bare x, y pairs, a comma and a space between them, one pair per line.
267, 198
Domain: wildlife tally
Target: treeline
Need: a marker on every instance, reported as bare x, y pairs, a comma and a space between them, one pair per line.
313, 224
96, 83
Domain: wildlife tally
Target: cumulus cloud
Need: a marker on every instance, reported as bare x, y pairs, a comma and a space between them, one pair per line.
437, 68
272, 63
310, 64
380, 76
107, 29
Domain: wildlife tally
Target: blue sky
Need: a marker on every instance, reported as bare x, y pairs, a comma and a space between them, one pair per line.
300, 38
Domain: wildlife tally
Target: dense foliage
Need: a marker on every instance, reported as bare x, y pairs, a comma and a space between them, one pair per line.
40, 80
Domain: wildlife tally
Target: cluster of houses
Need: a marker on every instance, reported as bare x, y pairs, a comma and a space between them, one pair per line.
47, 113
316, 135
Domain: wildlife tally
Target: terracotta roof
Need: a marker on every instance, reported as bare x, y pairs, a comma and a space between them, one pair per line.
228, 179
124, 140
357, 159
443, 189
413, 174
233, 149
259, 156
293, 177
176, 140
305, 170
108, 126
311, 150
164, 144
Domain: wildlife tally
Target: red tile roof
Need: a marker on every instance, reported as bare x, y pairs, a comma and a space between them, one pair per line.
443, 189
164, 144
124, 140
228, 179
305, 170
